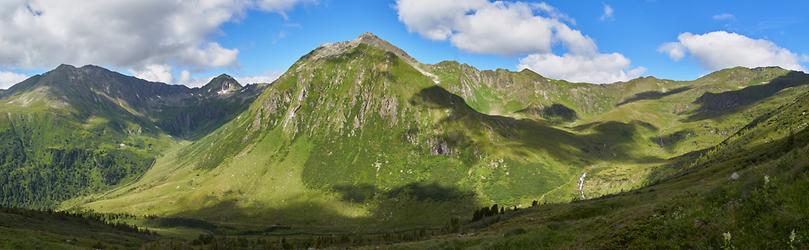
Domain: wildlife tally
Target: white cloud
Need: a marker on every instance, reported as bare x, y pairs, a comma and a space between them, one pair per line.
503, 28
435, 20
185, 76
196, 82
281, 6
721, 49
600, 68
553, 12
724, 17
268, 77
516, 28
481, 26
155, 73
8, 79
608, 13
123, 33
675, 50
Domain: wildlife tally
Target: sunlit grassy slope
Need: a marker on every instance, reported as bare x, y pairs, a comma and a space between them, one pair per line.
358, 136
745, 193
75, 131
53, 150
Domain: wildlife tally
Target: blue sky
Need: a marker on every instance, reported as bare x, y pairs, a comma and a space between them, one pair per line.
262, 40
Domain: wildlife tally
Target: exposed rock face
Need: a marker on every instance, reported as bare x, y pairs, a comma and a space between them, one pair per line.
439, 147
221, 85
335, 49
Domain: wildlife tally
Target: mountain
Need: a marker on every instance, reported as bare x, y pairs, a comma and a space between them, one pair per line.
746, 192
73, 130
360, 136
360, 144
221, 85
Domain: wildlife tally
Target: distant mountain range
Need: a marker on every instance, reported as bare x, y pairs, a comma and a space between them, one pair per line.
75, 130
360, 137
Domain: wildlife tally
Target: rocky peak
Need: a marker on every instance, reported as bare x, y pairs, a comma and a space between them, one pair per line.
64, 67
222, 84
367, 38
371, 39
67, 69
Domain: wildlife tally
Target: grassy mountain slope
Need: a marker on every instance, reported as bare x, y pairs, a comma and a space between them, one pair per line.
354, 133
75, 131
529, 94
29, 229
358, 135
747, 192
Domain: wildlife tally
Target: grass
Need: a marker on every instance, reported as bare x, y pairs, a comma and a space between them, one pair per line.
364, 123
700, 206
27, 229
359, 148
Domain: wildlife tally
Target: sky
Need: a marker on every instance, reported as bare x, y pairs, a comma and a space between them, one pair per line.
190, 41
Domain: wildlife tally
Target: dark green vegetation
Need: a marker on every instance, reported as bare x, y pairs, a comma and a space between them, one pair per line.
358, 144
74, 131
29, 229
745, 193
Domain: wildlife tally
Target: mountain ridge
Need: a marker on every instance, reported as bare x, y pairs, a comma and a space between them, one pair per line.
88, 129
352, 124
358, 138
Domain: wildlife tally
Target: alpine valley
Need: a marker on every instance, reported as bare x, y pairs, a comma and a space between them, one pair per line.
360, 145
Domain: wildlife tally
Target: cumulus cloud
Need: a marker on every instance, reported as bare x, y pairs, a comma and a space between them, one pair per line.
125, 33
156, 73
553, 12
8, 79
600, 68
721, 49
675, 50
516, 28
724, 17
435, 20
608, 13
481, 26
185, 76
268, 77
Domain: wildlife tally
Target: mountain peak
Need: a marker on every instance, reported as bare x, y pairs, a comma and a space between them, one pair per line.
222, 84
373, 40
65, 66
369, 38
89, 68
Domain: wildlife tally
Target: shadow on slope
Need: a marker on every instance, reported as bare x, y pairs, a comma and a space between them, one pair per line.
414, 205
419, 191
715, 105
555, 113
652, 95
612, 141
699, 207
670, 141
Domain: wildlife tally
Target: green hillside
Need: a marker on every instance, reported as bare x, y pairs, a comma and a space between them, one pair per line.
745, 193
357, 136
360, 145
74, 131
29, 229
